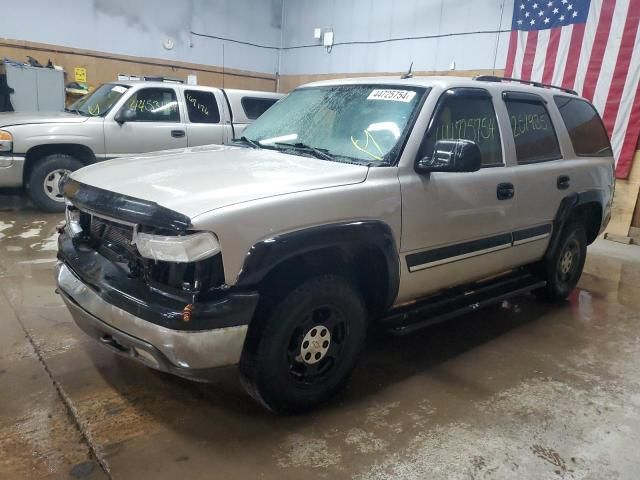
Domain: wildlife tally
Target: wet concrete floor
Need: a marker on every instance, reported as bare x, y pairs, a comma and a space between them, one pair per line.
523, 391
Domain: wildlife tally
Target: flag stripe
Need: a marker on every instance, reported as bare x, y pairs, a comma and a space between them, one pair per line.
511, 55
571, 67
627, 127
590, 30
529, 54
540, 55
563, 53
517, 64
620, 73
599, 47
551, 54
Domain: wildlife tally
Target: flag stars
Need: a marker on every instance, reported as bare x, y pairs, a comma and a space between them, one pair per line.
546, 20
564, 2
532, 21
549, 4
526, 14
519, 22
561, 18
575, 13
570, 7
540, 13
555, 10
535, 5
522, 6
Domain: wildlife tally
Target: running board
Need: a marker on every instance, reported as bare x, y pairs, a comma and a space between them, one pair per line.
455, 302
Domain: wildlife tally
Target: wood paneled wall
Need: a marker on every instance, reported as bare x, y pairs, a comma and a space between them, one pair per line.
105, 67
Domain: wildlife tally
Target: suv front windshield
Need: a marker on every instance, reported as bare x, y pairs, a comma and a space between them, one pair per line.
357, 123
100, 101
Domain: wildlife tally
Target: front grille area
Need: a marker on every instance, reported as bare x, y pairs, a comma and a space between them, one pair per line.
116, 237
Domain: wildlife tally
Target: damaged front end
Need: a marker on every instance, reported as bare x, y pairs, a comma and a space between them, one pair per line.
136, 267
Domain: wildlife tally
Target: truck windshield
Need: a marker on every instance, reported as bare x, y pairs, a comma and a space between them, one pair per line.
100, 101
352, 123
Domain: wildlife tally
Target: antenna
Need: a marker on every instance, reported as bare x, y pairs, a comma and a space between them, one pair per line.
408, 74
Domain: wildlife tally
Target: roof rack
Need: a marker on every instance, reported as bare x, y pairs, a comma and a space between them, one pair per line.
493, 78
160, 78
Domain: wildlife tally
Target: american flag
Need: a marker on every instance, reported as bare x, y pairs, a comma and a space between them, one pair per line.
591, 46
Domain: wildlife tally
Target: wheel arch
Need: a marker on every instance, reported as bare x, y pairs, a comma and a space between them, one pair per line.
76, 150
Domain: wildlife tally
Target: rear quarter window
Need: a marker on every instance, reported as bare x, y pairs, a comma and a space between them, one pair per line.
202, 106
254, 106
586, 130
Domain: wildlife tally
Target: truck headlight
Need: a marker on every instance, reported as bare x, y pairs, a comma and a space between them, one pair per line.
184, 249
72, 218
6, 141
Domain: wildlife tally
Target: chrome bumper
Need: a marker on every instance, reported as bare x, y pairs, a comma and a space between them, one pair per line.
185, 353
11, 168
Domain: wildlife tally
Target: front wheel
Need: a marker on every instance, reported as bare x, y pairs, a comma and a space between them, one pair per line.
45, 178
308, 347
563, 268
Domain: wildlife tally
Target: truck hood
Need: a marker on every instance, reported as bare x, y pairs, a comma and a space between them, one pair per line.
195, 180
24, 118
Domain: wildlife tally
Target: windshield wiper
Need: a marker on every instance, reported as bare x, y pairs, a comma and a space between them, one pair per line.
322, 153
247, 141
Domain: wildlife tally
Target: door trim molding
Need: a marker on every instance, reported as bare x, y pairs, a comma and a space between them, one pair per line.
461, 251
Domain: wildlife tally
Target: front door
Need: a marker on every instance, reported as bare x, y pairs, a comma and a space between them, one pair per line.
156, 124
456, 227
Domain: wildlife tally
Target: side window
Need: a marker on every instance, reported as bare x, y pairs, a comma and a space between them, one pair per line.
586, 131
202, 106
154, 105
254, 107
533, 132
469, 117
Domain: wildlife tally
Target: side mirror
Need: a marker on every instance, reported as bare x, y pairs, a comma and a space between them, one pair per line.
125, 115
452, 156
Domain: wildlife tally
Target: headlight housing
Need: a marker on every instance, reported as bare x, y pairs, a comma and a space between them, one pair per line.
185, 249
6, 141
72, 218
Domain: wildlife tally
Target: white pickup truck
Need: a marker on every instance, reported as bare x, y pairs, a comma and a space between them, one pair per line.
118, 119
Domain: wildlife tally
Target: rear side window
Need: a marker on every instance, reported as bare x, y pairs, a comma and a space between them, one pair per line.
202, 106
254, 107
586, 131
468, 116
533, 132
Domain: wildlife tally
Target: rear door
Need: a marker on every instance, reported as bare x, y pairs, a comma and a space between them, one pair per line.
456, 227
157, 124
543, 176
205, 124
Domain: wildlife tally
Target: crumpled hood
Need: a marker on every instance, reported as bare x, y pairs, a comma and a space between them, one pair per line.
196, 180
25, 118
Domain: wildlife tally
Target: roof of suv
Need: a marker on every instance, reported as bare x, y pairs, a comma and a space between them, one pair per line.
443, 82
158, 83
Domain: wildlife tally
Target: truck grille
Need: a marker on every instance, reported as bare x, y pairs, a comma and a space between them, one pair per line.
112, 235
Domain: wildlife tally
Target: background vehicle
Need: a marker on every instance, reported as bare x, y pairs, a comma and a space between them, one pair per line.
401, 202
118, 119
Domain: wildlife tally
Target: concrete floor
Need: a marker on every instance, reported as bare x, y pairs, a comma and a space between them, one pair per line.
519, 391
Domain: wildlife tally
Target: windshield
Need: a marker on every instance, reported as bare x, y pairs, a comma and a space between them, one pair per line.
361, 123
100, 101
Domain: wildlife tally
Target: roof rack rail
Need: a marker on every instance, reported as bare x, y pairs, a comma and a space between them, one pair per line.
493, 78
161, 78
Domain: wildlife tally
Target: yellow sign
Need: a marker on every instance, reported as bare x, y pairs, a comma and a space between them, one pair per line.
80, 74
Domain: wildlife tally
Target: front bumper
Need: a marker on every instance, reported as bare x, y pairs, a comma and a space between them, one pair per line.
191, 354
11, 168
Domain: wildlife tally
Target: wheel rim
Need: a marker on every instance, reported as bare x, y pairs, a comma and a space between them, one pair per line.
316, 343
568, 262
51, 184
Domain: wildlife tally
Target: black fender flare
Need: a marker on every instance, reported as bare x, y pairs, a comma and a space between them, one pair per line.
266, 255
566, 208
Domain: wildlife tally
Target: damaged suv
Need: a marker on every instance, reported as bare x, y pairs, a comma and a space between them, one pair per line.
351, 203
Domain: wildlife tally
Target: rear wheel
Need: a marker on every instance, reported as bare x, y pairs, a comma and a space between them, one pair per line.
309, 346
562, 269
45, 178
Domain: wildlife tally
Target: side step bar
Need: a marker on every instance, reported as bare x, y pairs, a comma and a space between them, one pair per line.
455, 302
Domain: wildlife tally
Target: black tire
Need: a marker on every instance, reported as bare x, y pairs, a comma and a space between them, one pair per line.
563, 267
277, 375
48, 168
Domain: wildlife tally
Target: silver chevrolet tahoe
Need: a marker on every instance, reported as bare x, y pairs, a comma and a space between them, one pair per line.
386, 202
117, 120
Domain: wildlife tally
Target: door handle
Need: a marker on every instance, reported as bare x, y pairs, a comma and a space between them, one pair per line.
563, 182
505, 191
177, 133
